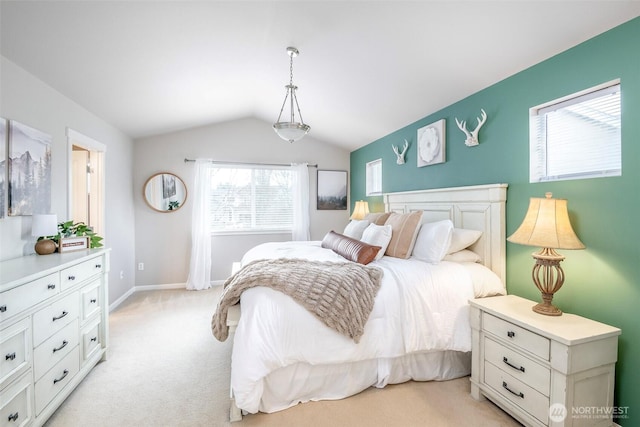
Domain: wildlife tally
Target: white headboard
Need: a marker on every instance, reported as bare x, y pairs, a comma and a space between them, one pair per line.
478, 207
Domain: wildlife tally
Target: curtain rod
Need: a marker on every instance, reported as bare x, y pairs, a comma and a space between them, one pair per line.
248, 163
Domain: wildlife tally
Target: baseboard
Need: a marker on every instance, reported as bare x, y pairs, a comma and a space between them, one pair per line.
166, 286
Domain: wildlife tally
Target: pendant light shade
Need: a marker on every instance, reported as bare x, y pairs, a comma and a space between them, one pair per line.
291, 131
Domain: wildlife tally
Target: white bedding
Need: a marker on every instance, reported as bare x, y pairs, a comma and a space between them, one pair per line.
420, 308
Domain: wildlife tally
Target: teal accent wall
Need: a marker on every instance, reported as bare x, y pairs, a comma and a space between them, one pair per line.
603, 281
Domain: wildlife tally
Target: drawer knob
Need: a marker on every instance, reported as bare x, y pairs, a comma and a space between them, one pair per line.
64, 375
506, 387
10, 356
517, 368
71, 277
94, 339
511, 334
64, 344
3, 308
51, 286
98, 265
64, 313
93, 300
13, 417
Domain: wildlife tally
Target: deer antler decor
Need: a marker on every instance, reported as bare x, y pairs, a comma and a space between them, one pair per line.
400, 154
472, 137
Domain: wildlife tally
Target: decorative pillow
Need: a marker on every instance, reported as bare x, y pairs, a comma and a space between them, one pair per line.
378, 235
405, 229
355, 228
462, 238
377, 218
464, 255
351, 249
433, 241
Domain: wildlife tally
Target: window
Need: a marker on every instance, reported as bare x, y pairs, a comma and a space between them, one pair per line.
577, 136
251, 198
374, 178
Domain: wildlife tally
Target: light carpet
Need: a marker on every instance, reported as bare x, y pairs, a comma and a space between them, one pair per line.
166, 369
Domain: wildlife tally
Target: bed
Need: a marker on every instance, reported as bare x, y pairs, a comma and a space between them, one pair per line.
418, 328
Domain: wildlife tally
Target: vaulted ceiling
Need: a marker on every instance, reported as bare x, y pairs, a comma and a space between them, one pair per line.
365, 69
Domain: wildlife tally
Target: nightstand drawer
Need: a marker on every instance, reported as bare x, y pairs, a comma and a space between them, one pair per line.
527, 340
517, 365
527, 398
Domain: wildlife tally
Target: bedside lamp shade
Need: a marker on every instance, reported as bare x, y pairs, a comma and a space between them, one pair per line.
43, 226
360, 210
546, 225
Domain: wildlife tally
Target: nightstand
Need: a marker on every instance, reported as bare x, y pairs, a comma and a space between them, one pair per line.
543, 370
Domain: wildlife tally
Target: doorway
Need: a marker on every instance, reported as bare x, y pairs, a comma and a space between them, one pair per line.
86, 180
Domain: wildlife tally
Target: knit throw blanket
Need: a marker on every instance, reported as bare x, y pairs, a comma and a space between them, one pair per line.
340, 294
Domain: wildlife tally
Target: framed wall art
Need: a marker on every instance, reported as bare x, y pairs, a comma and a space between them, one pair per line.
3, 166
29, 162
431, 144
332, 190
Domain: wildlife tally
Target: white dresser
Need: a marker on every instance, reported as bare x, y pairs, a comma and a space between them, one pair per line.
53, 330
543, 370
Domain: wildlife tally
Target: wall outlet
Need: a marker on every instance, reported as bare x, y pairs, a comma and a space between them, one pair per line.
121, 274
140, 266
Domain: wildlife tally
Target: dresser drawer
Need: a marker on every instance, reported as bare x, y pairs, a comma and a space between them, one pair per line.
523, 368
22, 297
54, 349
90, 300
81, 272
528, 341
54, 317
15, 403
527, 398
15, 357
91, 341
56, 379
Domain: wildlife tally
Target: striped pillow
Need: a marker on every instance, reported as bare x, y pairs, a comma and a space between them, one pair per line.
405, 229
377, 218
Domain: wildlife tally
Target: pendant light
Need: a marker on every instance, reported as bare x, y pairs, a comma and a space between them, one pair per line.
291, 131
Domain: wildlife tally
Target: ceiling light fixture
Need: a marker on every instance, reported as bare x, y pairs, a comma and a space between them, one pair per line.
291, 131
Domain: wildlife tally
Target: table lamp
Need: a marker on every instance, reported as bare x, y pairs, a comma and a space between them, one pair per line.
360, 210
547, 225
44, 226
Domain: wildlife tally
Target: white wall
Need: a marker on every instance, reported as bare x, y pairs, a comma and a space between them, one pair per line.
28, 100
163, 240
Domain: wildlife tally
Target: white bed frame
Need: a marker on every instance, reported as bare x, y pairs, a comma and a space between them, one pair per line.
480, 207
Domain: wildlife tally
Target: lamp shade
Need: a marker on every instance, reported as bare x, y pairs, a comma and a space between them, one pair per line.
361, 210
547, 225
44, 225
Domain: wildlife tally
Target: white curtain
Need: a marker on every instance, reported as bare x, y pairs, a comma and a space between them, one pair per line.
300, 202
200, 264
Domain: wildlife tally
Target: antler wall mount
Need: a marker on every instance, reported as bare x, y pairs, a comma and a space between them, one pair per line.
472, 137
400, 154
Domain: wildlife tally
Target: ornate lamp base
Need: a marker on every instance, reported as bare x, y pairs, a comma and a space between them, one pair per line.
549, 278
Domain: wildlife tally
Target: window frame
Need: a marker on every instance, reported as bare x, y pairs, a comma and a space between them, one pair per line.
373, 184
249, 231
539, 145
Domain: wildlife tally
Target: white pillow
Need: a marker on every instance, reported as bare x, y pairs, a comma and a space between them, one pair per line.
355, 228
486, 283
462, 238
433, 241
464, 255
378, 235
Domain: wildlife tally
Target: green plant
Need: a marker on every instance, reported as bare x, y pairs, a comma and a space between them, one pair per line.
174, 205
70, 228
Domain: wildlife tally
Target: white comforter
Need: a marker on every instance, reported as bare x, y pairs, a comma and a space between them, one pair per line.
420, 307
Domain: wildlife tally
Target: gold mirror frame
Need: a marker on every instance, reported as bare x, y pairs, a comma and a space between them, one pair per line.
164, 192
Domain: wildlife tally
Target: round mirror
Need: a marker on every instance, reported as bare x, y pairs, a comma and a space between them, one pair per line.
165, 192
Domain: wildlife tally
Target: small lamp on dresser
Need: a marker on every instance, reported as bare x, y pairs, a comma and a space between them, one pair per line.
44, 226
547, 225
360, 210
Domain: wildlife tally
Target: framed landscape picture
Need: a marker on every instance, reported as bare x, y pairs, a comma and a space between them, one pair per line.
332, 190
29, 161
